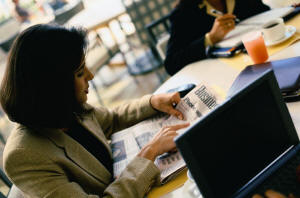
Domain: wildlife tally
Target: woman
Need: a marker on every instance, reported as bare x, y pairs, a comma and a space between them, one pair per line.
195, 24
21, 14
59, 148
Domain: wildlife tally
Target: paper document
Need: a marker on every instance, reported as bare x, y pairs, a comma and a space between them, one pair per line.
252, 24
127, 143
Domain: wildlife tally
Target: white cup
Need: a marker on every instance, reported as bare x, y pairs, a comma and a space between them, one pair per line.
274, 30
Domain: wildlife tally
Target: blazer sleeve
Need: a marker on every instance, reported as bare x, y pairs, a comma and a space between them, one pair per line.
38, 176
125, 115
184, 47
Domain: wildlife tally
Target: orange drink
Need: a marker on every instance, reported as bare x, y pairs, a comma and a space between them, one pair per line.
255, 46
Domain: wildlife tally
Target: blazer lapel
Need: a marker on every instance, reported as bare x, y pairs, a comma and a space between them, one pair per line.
79, 155
89, 123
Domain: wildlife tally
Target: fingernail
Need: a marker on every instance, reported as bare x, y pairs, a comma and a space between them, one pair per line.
180, 117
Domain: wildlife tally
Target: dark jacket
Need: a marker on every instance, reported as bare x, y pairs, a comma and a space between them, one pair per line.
189, 24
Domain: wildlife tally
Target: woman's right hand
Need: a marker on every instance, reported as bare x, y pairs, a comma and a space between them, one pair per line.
162, 142
221, 27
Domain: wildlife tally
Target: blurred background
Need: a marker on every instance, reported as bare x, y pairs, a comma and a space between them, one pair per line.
127, 39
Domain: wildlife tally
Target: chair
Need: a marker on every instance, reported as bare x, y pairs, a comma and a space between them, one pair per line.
63, 14
161, 46
158, 31
15, 192
99, 55
9, 30
143, 12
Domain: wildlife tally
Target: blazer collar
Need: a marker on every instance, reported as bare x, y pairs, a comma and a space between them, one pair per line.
78, 154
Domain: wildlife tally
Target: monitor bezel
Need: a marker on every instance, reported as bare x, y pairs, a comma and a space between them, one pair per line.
184, 146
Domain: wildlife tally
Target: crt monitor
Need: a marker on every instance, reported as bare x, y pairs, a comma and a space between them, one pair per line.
233, 143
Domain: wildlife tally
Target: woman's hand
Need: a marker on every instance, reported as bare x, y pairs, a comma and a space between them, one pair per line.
166, 102
221, 27
273, 194
295, 5
162, 142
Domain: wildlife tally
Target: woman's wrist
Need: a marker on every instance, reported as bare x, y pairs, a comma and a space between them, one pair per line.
152, 104
212, 39
149, 152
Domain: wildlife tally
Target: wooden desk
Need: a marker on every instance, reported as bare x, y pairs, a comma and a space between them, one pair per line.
217, 73
98, 15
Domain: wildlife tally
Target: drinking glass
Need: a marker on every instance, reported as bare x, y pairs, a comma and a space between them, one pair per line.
256, 47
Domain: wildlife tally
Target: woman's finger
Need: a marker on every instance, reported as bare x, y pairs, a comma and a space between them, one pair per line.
175, 113
175, 98
274, 194
226, 17
179, 126
257, 196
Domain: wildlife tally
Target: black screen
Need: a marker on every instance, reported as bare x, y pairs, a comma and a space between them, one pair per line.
236, 143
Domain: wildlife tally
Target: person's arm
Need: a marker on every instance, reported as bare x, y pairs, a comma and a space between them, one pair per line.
180, 49
136, 111
184, 47
38, 176
125, 115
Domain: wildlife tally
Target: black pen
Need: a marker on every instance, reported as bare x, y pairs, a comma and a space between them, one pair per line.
221, 14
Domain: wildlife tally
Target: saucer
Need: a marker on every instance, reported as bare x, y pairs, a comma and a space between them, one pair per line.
289, 32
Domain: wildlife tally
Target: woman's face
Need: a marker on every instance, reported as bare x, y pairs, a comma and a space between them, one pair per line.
82, 77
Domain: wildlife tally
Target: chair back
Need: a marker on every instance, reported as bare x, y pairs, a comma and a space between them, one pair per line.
158, 32
9, 30
65, 13
143, 12
15, 192
161, 46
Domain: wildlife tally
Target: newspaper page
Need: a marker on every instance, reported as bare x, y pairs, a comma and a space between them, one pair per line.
127, 143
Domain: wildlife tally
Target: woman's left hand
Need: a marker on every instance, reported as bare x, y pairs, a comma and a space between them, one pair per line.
166, 103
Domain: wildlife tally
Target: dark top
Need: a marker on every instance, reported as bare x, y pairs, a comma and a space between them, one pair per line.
22, 13
91, 144
189, 24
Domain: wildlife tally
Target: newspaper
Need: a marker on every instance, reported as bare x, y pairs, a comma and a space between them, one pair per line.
127, 143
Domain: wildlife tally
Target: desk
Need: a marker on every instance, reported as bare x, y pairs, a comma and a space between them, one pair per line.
98, 15
216, 73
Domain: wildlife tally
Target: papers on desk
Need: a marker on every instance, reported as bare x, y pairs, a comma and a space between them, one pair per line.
251, 24
127, 143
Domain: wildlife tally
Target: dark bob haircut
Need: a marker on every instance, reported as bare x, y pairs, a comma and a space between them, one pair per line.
37, 89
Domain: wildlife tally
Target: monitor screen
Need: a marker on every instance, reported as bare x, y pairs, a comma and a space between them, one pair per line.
237, 140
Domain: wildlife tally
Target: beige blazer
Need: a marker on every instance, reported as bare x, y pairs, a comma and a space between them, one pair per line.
48, 163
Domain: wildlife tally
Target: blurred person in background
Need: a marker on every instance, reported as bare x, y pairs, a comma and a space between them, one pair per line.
196, 24
60, 147
21, 14
57, 4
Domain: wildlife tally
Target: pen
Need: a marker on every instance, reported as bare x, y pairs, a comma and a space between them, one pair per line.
221, 13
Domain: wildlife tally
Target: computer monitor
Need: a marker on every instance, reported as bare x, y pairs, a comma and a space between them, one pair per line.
232, 144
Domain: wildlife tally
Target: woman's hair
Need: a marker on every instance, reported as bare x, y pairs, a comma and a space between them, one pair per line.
37, 89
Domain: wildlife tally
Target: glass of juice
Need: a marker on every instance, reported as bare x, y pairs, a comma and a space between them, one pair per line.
256, 47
